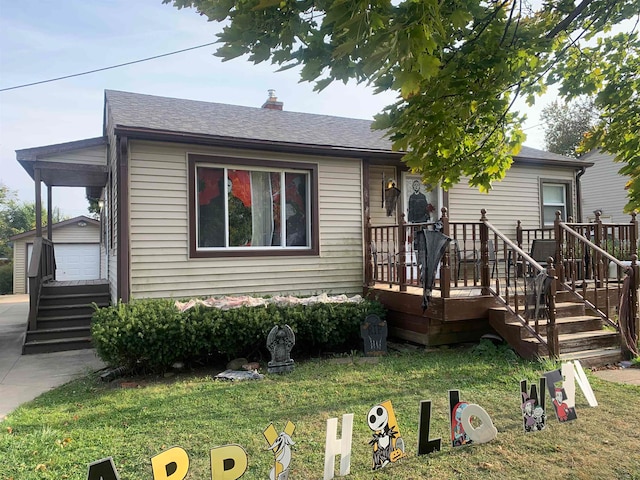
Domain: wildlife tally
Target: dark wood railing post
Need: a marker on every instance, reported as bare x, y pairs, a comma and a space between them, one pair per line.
368, 273
402, 254
634, 293
445, 269
633, 235
597, 239
559, 234
485, 272
552, 328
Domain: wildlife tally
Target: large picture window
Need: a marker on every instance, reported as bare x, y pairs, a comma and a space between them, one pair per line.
264, 208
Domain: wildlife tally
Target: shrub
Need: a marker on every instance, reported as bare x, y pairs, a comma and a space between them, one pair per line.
6, 278
152, 334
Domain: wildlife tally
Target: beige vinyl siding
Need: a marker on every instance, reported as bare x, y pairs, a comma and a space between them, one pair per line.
517, 197
92, 155
66, 234
603, 189
160, 263
377, 212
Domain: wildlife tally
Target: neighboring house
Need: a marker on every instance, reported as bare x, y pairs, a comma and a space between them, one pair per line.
77, 252
603, 188
159, 169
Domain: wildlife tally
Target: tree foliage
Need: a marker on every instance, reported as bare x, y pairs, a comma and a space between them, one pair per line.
15, 217
567, 125
458, 66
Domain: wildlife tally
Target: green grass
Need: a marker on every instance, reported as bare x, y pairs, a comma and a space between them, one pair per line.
60, 433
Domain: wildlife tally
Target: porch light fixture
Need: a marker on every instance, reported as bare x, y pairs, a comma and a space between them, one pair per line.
100, 204
82, 223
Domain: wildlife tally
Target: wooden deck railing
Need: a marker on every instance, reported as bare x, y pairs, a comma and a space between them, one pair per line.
42, 268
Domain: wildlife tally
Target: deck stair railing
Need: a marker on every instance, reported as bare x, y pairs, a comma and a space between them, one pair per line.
593, 260
524, 286
42, 268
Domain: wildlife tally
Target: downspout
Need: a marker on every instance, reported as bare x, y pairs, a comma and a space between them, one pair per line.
579, 193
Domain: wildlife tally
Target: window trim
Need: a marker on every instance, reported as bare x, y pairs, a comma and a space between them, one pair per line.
568, 193
239, 163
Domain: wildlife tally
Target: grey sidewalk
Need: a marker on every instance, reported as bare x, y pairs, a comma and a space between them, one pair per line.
24, 377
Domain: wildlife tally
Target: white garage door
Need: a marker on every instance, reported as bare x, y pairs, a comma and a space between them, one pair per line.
76, 261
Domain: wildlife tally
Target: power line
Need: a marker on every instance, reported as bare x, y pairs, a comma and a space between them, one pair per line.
107, 68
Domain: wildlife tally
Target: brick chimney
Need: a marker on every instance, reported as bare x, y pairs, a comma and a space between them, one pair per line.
272, 102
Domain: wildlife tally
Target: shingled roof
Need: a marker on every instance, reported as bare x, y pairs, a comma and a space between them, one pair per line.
133, 111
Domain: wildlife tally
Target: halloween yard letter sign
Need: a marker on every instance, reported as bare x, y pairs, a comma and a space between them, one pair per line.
462, 431
228, 462
533, 415
103, 470
172, 464
387, 443
424, 444
336, 446
280, 445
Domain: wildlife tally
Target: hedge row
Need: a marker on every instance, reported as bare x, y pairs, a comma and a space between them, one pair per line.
152, 334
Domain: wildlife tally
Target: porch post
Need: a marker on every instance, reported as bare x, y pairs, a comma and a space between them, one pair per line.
485, 277
634, 294
559, 260
634, 233
368, 273
445, 270
402, 254
37, 180
49, 213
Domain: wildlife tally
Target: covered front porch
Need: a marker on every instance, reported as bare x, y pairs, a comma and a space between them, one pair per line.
60, 312
549, 291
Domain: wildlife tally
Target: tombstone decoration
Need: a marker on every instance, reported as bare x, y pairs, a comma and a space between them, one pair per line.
534, 416
387, 443
280, 445
373, 331
280, 341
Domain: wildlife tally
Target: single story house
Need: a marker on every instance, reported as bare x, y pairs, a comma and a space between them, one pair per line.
204, 199
77, 252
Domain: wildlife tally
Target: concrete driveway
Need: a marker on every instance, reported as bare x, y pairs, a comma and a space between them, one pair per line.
24, 377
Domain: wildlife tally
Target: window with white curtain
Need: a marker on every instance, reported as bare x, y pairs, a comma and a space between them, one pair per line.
242, 208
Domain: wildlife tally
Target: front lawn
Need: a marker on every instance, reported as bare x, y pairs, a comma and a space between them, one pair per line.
61, 432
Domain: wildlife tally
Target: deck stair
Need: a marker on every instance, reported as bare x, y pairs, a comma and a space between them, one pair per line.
64, 316
581, 335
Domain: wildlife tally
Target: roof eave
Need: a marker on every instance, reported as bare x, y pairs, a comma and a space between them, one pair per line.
253, 144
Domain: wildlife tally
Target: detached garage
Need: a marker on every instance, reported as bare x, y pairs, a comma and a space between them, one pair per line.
77, 251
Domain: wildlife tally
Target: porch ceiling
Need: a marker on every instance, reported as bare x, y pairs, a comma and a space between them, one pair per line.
74, 164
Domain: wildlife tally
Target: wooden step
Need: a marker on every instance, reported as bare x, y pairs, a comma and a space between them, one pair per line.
58, 345
75, 299
64, 321
45, 311
582, 323
594, 358
581, 341
58, 333
64, 288
569, 309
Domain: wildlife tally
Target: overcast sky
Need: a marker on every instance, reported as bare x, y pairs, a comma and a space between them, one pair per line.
42, 39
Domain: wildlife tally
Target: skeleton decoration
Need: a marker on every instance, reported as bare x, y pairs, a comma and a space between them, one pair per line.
280, 341
388, 445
